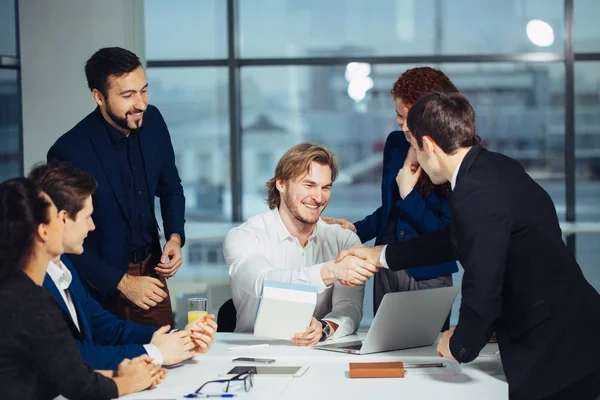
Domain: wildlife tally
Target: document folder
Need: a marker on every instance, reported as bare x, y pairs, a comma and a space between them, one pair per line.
284, 309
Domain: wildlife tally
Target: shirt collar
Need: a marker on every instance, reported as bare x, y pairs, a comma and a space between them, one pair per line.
60, 275
283, 233
455, 174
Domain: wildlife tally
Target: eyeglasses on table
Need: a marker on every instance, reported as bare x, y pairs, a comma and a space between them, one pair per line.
246, 377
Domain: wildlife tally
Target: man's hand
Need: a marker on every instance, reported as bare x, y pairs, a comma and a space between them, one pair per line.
203, 332
310, 336
174, 347
409, 174
171, 258
443, 347
351, 270
340, 221
369, 254
143, 291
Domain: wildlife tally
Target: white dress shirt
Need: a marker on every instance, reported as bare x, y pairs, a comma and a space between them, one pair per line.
62, 278
382, 259
262, 248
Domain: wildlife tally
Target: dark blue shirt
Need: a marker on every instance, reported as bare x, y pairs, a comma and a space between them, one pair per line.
128, 154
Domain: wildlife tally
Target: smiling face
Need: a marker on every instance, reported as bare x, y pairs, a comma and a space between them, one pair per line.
76, 230
126, 100
401, 115
305, 197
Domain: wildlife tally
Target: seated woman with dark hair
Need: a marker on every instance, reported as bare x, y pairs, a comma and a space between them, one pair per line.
39, 358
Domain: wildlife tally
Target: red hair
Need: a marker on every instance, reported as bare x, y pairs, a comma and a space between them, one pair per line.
409, 87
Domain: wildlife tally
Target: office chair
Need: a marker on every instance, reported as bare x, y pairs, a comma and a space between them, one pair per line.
226, 317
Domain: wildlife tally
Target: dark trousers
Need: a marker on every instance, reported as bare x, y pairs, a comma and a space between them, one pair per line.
157, 316
386, 281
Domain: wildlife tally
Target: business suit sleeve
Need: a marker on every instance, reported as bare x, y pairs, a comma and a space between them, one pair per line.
107, 329
420, 216
482, 226
169, 189
428, 249
53, 349
346, 310
366, 229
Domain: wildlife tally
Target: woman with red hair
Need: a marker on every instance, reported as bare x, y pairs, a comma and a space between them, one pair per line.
411, 203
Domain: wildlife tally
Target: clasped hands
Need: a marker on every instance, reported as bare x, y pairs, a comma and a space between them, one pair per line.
353, 266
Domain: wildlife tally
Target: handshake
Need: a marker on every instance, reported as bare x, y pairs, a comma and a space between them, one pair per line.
353, 266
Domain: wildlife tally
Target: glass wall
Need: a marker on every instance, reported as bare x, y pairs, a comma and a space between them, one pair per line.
10, 99
285, 80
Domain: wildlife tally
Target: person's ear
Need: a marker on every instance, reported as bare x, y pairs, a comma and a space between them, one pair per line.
98, 97
42, 233
428, 145
62, 215
280, 185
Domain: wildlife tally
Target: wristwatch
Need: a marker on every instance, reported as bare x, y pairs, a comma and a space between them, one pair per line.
326, 331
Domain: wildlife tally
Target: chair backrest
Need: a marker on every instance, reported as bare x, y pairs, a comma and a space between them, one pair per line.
226, 317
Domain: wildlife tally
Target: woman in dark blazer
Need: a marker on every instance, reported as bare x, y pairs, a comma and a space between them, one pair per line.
411, 203
39, 358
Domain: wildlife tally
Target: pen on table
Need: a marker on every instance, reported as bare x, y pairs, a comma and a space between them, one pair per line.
425, 365
222, 396
250, 346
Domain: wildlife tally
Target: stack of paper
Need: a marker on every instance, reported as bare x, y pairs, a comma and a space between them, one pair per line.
284, 309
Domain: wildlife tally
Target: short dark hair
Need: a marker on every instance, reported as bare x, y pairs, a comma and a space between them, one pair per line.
22, 210
67, 185
106, 62
447, 118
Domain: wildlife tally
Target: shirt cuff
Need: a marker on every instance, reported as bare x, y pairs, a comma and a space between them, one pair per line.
154, 353
316, 279
382, 260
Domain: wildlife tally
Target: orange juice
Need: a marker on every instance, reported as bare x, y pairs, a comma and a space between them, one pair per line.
194, 315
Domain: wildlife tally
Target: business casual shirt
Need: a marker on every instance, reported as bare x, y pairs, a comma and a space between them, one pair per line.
263, 248
61, 276
130, 162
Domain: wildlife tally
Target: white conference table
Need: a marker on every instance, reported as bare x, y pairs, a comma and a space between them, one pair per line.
327, 375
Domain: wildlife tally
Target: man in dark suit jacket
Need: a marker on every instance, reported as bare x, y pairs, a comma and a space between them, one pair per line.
520, 279
123, 266
103, 339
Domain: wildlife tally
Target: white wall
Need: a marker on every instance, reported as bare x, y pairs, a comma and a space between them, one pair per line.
56, 39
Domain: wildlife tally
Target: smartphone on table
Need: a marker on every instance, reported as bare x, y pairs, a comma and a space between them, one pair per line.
255, 360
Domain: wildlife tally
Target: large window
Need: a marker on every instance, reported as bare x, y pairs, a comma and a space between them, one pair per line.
313, 28
10, 100
242, 81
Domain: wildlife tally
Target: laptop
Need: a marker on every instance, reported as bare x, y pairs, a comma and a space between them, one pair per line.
404, 320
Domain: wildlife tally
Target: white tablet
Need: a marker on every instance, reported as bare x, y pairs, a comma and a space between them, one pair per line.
268, 370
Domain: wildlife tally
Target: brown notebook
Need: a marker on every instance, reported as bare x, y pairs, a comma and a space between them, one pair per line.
377, 370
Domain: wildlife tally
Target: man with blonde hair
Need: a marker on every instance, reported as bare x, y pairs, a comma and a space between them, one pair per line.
291, 244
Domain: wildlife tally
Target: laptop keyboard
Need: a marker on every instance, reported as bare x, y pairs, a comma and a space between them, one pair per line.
353, 347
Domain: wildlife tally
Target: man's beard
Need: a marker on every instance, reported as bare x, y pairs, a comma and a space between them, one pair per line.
120, 121
296, 213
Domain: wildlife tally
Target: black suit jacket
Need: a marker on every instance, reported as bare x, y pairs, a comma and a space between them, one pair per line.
39, 358
107, 249
520, 279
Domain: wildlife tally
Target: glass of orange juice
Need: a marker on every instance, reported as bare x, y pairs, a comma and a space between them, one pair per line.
197, 308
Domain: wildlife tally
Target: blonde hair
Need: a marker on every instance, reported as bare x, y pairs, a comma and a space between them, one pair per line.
295, 162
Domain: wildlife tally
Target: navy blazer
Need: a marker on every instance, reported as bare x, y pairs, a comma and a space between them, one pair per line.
417, 214
107, 249
103, 339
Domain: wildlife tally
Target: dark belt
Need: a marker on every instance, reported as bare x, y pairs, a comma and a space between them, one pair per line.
140, 255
